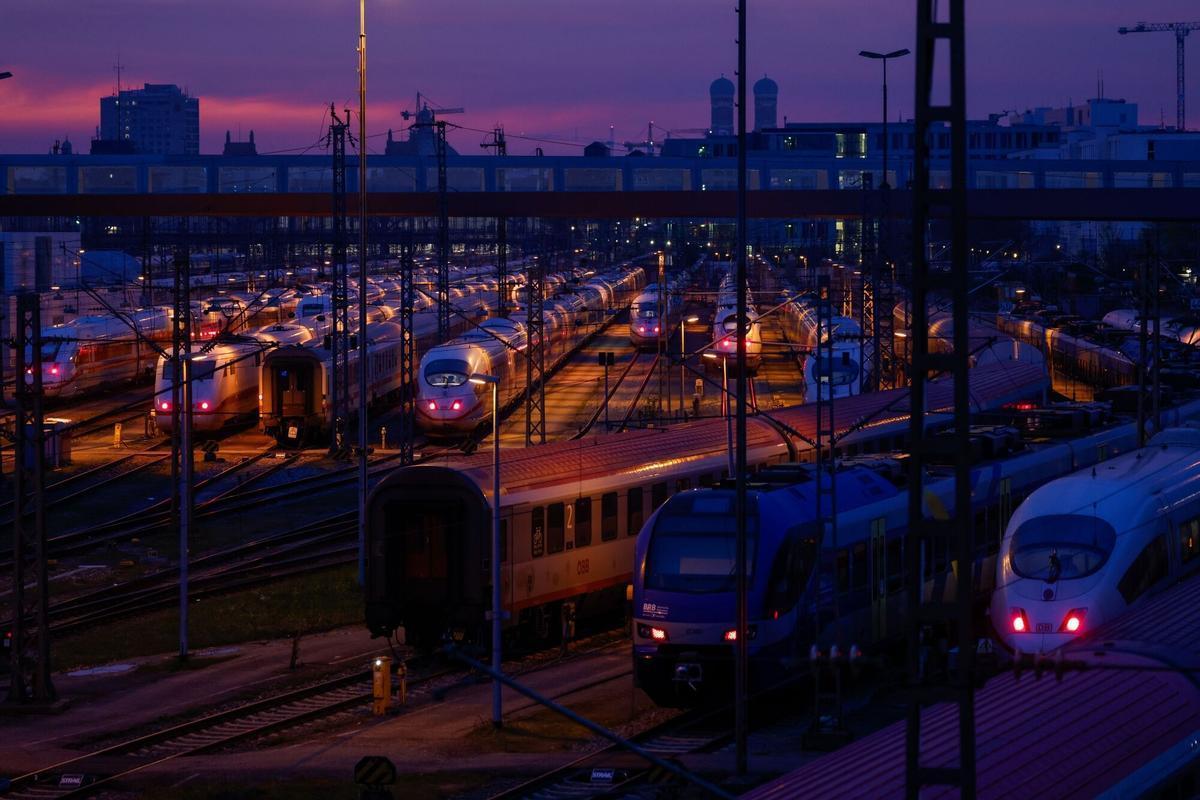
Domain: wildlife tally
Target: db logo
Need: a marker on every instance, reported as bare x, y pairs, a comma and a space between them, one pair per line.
582, 567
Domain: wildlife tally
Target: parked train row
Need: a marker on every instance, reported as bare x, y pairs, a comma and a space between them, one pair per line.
452, 397
571, 510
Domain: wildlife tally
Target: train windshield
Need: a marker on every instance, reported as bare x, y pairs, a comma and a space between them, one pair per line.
730, 325
447, 372
50, 350
647, 310
694, 544
1061, 546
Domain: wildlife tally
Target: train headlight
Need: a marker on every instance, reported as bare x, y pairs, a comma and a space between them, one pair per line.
1073, 622
1020, 622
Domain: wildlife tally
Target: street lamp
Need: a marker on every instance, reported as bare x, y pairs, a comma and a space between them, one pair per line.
725, 405
884, 58
683, 357
482, 380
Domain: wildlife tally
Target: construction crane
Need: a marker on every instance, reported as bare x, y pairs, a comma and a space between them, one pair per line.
1181, 30
423, 105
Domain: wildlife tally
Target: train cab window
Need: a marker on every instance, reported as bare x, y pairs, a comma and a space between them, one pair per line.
447, 372
658, 495
583, 522
634, 512
1189, 540
608, 516
555, 528
1061, 546
1147, 569
693, 547
537, 532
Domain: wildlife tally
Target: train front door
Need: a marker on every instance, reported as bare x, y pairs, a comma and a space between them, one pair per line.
294, 388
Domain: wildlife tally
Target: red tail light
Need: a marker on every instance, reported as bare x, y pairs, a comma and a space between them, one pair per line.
641, 328
54, 369
731, 634
648, 632
656, 329
1020, 622
164, 406
432, 405
456, 405
1073, 622
204, 405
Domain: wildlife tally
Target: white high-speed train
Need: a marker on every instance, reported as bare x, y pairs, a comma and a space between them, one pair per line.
798, 317
450, 404
90, 353
649, 317
1083, 549
1185, 329
225, 380
725, 326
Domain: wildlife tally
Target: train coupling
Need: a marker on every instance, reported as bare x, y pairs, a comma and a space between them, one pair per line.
689, 672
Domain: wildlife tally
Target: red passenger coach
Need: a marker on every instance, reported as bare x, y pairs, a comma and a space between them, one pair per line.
571, 511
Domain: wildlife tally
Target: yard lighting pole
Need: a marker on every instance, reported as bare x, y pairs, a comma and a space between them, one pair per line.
683, 358
883, 57
497, 614
725, 405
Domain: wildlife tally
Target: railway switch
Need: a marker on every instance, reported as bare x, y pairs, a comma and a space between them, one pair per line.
381, 683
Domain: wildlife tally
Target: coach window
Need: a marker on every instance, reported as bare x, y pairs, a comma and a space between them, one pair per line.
683, 484
1146, 570
608, 516
537, 532
1189, 540
554, 528
583, 522
658, 495
633, 511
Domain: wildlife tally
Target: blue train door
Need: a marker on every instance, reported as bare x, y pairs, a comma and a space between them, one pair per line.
879, 579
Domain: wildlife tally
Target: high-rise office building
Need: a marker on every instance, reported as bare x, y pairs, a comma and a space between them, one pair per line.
159, 118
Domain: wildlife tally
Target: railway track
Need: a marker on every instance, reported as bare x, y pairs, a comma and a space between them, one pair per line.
106, 766
606, 401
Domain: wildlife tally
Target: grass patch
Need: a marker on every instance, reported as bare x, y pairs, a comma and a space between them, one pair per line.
308, 604
547, 732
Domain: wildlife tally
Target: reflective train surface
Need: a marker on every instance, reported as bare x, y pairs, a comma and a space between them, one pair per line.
1084, 549
571, 511
844, 373
96, 352
725, 326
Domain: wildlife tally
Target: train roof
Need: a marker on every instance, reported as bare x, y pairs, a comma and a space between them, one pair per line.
1131, 487
647, 450
1119, 729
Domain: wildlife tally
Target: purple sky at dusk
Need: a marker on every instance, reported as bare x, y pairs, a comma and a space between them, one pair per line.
559, 69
